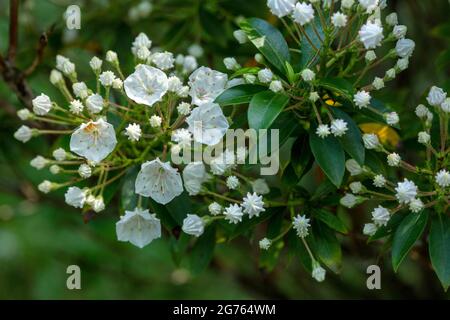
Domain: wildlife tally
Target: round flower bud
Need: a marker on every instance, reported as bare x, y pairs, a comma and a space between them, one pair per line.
356, 187
303, 13
445, 106
443, 178
392, 19
24, 114
155, 121
184, 108
393, 159
23, 134
107, 78
55, 77
55, 169
240, 36
264, 244
265, 75
353, 167
308, 75
392, 118
232, 182
41, 104
45, 186
59, 154
39, 162
111, 57
378, 83
379, 181
231, 63
117, 84
84, 171
421, 111
362, 99
80, 90
323, 130
370, 56
423, 137
436, 96
94, 103
370, 229
96, 64
399, 31
215, 208
390, 74
348, 201
405, 47
276, 86
371, 141
193, 225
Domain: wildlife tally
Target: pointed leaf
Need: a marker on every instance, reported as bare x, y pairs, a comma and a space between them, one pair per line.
439, 246
264, 108
239, 94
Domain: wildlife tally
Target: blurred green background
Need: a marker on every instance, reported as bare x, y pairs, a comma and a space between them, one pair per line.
40, 236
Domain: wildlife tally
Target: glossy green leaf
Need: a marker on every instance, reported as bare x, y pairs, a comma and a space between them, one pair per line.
269, 41
331, 220
329, 155
439, 247
339, 86
239, 94
309, 56
203, 250
264, 108
407, 233
327, 246
352, 140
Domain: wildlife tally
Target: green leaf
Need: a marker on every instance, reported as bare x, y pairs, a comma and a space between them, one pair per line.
239, 94
352, 140
245, 70
331, 220
298, 249
264, 108
389, 229
407, 233
329, 155
327, 246
338, 85
439, 247
309, 56
268, 258
269, 41
203, 250
302, 159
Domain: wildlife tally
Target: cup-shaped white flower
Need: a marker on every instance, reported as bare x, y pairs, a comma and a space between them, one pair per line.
94, 140
206, 84
147, 85
139, 227
193, 176
208, 124
193, 225
159, 181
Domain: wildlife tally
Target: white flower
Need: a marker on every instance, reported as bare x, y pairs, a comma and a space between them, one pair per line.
356, 187
206, 84
24, 114
347, 4
406, 191
276, 86
94, 140
189, 64
369, 5
392, 118
55, 77
402, 64
393, 159
55, 169
399, 31
107, 78
194, 174
421, 111
250, 78
159, 181
381, 216
318, 272
65, 65
339, 20
314, 96
232, 182
416, 205
96, 64
370, 56
99, 204
39, 162
362, 99
423, 137
59, 154
141, 41
84, 171
155, 121
139, 227
215, 209
260, 186
323, 130
265, 75
195, 50
264, 244
45, 186
308, 75
133, 132
142, 53
390, 74
253, 205
23, 134
184, 108
111, 57
303, 13
405, 48
117, 84
193, 225
338, 127
231, 63
182, 136
443, 178
147, 85
378, 83
41, 104
240, 36
281, 8
436, 96
370, 229
349, 200
371, 35
233, 213
80, 90
76, 107
301, 225
207, 124
94, 103
259, 58
353, 167
371, 141
445, 106
379, 181
75, 197
392, 19
163, 60
174, 84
